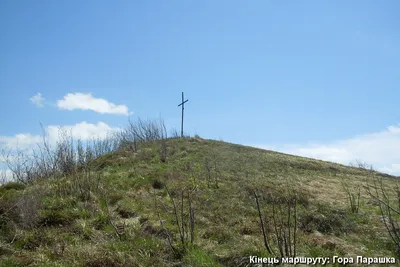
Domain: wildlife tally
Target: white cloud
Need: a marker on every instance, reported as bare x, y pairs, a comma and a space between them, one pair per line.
38, 100
391, 168
22, 140
28, 142
381, 149
82, 130
88, 102
5, 176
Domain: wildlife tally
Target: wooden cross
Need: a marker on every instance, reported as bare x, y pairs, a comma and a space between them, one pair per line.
183, 108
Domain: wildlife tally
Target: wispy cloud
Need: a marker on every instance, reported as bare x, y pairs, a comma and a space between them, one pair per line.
83, 131
84, 101
21, 140
5, 175
38, 100
381, 149
27, 142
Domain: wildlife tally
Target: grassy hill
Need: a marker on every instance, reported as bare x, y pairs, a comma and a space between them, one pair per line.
125, 209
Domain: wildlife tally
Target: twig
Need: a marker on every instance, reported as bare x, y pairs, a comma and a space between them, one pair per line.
262, 224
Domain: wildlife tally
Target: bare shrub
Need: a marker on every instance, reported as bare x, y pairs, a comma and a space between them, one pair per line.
64, 154
3, 177
56, 158
265, 238
281, 226
175, 133
140, 131
184, 219
96, 147
388, 200
163, 149
212, 170
19, 164
362, 165
67, 155
353, 196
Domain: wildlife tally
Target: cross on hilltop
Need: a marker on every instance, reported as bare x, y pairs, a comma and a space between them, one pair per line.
183, 108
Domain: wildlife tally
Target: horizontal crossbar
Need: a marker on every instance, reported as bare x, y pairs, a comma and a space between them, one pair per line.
183, 103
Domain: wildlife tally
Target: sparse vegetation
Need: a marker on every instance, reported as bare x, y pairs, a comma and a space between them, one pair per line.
282, 221
183, 219
388, 200
362, 165
142, 199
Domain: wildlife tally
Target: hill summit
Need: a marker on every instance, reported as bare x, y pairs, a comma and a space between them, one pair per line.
197, 202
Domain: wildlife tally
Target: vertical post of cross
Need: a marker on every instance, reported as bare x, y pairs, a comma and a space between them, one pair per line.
183, 108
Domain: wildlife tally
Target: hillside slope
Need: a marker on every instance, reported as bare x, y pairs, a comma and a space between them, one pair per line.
126, 209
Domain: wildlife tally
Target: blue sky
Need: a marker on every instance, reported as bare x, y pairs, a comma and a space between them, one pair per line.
313, 78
